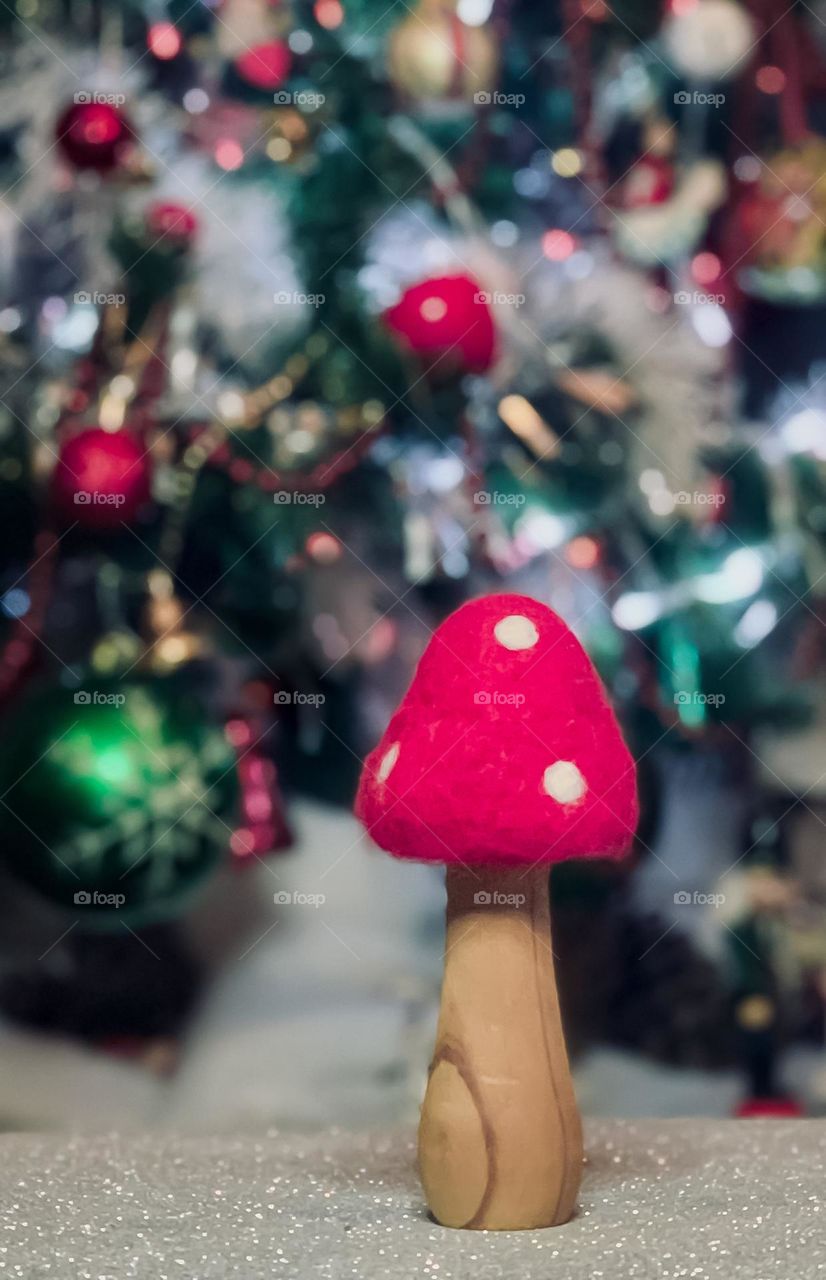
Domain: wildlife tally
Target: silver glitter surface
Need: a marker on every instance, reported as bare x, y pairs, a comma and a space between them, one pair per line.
660, 1199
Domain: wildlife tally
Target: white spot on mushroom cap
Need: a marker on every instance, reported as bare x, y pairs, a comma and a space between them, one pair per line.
563, 782
516, 632
388, 762
433, 310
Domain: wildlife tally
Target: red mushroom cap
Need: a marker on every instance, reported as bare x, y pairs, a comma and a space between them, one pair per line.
504, 749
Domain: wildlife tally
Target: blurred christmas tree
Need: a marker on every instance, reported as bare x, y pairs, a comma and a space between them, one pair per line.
316, 319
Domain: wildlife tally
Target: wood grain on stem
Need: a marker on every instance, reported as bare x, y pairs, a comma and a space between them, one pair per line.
500, 1143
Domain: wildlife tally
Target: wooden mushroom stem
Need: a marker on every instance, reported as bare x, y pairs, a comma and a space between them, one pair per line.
500, 1143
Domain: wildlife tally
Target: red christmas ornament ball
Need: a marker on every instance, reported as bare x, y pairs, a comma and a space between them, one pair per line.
650, 181
448, 321
324, 548
102, 478
94, 135
171, 222
265, 66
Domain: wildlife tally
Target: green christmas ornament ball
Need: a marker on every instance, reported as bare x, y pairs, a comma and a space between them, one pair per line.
117, 799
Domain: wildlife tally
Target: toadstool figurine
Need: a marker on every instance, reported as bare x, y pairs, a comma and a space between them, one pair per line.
503, 757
